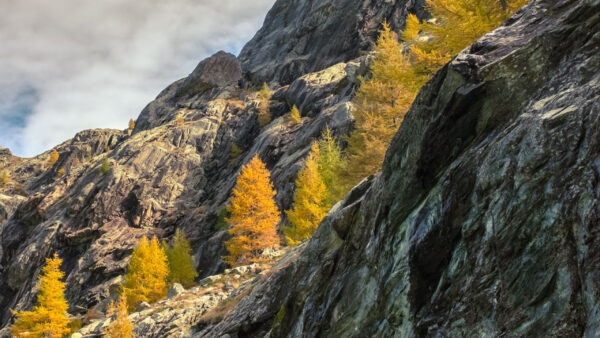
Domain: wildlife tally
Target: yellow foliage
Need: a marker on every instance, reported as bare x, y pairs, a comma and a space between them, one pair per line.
146, 279
61, 172
265, 92
179, 121
295, 115
49, 316
121, 326
458, 23
181, 264
264, 114
4, 178
381, 103
105, 166
331, 164
53, 157
383, 99
131, 124
253, 215
308, 210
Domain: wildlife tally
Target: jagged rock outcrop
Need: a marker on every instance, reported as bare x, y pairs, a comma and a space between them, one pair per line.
173, 171
484, 220
305, 36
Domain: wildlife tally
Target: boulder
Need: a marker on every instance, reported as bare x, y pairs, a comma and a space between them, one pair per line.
175, 290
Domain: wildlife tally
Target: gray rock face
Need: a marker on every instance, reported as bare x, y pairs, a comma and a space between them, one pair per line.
484, 220
165, 175
305, 36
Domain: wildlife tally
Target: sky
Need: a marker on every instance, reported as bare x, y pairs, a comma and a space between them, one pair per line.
70, 65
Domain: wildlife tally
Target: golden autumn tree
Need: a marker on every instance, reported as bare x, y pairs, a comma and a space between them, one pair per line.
181, 263
381, 103
147, 272
49, 317
120, 326
253, 215
131, 124
4, 178
307, 210
264, 114
53, 157
295, 117
457, 24
331, 163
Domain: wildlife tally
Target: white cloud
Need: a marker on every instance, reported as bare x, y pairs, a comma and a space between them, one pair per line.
95, 64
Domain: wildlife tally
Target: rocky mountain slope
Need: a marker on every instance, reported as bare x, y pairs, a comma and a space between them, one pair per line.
168, 174
483, 221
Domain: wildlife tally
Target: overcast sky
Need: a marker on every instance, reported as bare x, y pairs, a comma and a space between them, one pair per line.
69, 65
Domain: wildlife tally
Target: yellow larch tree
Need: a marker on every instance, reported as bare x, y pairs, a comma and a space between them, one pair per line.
147, 272
295, 117
53, 158
253, 215
264, 114
307, 210
381, 103
120, 326
49, 317
331, 163
4, 178
457, 24
181, 263
131, 124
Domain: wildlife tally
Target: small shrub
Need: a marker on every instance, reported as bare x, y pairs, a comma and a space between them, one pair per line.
221, 222
106, 148
179, 121
295, 117
105, 167
234, 153
4, 178
264, 114
131, 124
53, 157
75, 325
61, 172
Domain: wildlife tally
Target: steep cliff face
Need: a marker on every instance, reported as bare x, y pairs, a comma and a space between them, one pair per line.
484, 220
306, 36
174, 170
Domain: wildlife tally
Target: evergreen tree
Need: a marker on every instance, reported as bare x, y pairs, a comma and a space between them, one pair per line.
121, 326
49, 316
331, 163
181, 263
146, 279
253, 215
105, 166
295, 115
131, 124
53, 157
308, 210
